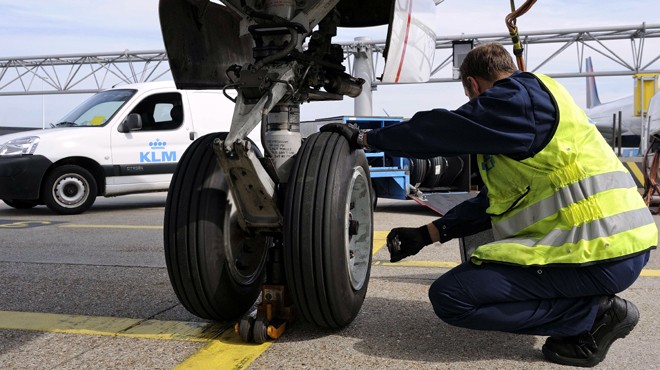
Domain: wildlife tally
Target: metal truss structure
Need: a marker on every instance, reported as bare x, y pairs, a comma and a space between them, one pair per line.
623, 47
79, 73
628, 49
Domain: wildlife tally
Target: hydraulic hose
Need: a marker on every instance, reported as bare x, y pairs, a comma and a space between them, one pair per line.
513, 30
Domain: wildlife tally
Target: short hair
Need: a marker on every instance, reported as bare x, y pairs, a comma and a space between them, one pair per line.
487, 61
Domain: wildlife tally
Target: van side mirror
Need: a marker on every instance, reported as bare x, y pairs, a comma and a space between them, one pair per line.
132, 123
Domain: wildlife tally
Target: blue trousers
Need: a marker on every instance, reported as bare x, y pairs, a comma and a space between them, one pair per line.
552, 301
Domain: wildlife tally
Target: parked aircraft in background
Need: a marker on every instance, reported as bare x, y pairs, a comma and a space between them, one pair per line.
602, 114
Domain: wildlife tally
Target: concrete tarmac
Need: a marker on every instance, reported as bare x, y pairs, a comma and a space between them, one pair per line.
91, 291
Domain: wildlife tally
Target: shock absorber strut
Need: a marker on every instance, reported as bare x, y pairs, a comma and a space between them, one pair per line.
282, 135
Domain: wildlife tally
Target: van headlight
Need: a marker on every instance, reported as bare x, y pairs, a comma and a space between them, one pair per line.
22, 145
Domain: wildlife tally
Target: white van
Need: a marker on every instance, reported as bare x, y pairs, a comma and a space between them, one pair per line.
124, 140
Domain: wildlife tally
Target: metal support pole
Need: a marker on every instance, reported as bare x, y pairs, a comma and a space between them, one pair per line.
614, 137
43, 112
619, 134
362, 68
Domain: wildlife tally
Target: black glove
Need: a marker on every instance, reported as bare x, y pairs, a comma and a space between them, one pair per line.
347, 130
407, 241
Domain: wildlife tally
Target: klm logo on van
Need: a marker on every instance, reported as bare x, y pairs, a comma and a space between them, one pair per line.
158, 153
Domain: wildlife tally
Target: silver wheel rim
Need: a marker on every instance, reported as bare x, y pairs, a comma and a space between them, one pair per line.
70, 190
358, 227
245, 260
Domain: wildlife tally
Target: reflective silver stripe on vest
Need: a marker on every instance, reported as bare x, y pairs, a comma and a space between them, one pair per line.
596, 229
564, 197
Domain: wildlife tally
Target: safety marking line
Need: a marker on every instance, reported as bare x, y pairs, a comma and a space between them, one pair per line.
227, 352
110, 326
651, 273
380, 238
432, 264
224, 349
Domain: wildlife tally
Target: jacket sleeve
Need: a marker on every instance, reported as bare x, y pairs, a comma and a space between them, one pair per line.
467, 218
499, 121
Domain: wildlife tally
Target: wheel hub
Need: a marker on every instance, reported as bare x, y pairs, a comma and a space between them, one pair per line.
248, 253
358, 228
70, 190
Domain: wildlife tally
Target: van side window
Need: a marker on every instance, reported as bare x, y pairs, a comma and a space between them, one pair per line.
161, 112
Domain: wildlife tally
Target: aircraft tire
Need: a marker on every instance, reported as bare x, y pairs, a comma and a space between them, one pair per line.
216, 270
328, 231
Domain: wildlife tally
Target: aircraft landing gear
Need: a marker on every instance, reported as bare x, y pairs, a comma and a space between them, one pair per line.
229, 226
218, 271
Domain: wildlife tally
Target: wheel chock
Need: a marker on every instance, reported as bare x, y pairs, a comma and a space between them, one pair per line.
273, 314
274, 332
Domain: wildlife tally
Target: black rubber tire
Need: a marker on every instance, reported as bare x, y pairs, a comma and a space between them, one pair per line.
437, 166
245, 328
69, 190
453, 170
374, 198
21, 204
418, 169
215, 269
327, 257
260, 330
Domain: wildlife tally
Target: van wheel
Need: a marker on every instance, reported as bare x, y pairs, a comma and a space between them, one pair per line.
328, 230
69, 190
216, 270
21, 204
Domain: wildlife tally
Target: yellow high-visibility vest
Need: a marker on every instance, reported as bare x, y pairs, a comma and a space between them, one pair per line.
572, 203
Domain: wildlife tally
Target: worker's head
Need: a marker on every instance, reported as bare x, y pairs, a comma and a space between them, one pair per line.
484, 65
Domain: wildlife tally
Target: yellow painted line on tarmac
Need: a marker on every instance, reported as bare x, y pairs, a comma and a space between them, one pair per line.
431, 264
650, 273
175, 330
228, 352
70, 324
380, 238
110, 326
84, 226
224, 349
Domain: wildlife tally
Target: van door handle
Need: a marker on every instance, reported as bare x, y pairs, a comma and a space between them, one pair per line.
192, 135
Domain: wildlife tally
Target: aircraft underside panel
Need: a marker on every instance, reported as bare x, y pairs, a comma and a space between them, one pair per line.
201, 43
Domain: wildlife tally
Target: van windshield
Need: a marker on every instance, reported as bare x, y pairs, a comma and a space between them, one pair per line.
97, 110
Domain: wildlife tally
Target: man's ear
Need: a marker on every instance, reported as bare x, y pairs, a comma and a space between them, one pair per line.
473, 88
479, 85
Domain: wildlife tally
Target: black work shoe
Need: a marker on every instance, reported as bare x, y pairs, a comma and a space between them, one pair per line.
616, 318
